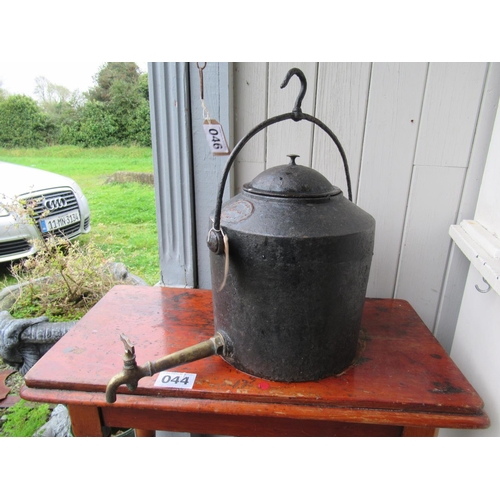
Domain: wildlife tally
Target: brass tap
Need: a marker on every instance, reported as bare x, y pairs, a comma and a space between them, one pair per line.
131, 373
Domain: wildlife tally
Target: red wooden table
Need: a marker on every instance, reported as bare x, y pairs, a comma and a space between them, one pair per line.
402, 383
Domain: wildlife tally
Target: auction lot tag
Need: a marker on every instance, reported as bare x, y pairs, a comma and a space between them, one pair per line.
215, 137
176, 380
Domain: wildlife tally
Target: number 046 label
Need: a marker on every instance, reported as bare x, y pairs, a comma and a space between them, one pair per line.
215, 137
175, 380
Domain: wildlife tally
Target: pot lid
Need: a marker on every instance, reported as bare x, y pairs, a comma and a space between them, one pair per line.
291, 181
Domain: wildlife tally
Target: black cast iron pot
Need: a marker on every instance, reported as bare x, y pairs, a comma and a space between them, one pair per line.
289, 305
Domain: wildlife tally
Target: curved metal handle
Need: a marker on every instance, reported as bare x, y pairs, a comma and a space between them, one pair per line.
215, 240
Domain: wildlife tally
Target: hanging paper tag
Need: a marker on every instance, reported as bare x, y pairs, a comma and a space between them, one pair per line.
215, 137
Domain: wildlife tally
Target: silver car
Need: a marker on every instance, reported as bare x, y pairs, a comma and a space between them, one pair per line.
58, 204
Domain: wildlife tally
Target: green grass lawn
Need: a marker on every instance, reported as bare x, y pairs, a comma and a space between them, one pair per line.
123, 216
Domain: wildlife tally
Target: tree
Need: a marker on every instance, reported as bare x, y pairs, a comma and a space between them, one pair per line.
49, 93
60, 104
110, 73
123, 93
23, 123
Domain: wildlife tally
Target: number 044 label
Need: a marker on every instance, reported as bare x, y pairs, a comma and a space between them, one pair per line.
176, 380
215, 137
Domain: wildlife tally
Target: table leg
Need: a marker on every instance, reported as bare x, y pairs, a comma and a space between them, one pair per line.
419, 432
144, 433
85, 421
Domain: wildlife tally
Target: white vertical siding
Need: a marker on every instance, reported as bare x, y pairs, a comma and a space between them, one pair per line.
394, 105
449, 115
410, 132
250, 109
341, 104
432, 207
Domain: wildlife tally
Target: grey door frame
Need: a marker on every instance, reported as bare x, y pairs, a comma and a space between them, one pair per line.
186, 173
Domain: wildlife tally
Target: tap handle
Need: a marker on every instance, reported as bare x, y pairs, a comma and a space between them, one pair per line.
129, 347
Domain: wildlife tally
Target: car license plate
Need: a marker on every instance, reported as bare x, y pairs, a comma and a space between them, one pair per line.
58, 221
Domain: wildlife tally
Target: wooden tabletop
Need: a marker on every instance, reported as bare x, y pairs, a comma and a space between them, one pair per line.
401, 376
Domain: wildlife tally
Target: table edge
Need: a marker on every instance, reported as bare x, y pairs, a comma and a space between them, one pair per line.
480, 420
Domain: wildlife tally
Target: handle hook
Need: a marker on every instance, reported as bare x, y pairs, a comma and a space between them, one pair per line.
297, 110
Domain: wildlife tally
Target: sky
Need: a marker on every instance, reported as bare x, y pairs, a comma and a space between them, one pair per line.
19, 77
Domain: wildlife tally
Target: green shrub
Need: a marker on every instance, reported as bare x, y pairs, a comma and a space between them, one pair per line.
94, 127
23, 124
140, 125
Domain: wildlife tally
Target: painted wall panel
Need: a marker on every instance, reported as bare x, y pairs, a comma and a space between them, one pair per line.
341, 105
250, 109
432, 207
488, 210
394, 105
451, 106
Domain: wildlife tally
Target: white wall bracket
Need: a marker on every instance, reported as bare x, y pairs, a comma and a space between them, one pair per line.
481, 247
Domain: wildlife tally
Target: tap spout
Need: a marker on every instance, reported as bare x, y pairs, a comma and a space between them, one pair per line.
132, 373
